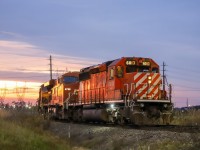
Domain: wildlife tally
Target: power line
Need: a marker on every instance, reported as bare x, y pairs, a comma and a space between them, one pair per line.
24, 77
189, 79
188, 87
20, 91
182, 97
184, 69
22, 54
189, 90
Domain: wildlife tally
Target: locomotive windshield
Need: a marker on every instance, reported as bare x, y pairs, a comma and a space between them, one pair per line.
70, 79
143, 69
44, 89
130, 69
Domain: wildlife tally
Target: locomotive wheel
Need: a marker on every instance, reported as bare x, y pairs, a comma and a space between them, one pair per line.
137, 119
123, 121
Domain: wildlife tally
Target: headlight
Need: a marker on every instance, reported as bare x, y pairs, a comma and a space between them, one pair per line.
112, 106
67, 89
165, 105
141, 105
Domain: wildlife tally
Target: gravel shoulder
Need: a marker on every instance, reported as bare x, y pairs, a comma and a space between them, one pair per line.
86, 136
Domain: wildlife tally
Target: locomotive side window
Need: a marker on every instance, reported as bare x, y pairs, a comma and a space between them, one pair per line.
130, 69
84, 76
119, 71
70, 79
112, 73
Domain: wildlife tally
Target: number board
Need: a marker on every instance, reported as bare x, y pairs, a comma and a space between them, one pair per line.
146, 63
130, 62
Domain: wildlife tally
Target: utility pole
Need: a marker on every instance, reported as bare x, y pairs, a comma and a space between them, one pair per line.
170, 92
187, 103
50, 67
2, 94
164, 76
21, 91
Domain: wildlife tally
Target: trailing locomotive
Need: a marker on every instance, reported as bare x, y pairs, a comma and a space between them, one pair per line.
125, 90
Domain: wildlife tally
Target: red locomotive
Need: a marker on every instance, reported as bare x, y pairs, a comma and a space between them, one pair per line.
125, 90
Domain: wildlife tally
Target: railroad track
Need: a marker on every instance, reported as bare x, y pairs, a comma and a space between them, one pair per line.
171, 128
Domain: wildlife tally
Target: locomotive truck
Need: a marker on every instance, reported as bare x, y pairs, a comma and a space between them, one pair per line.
128, 90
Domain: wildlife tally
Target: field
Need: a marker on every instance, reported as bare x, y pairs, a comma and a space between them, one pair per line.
23, 130
27, 130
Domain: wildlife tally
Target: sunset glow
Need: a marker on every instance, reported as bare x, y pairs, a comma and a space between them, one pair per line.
12, 90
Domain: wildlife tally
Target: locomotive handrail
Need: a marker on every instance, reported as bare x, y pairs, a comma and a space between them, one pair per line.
92, 95
126, 94
67, 100
98, 95
130, 91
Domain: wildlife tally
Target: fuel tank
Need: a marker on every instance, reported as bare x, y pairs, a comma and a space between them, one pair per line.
99, 115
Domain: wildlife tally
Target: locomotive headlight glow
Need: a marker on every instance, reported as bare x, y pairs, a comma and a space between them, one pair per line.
149, 79
112, 106
67, 89
165, 105
142, 105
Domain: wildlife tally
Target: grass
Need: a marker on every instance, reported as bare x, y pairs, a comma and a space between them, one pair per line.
170, 145
19, 130
26, 130
187, 117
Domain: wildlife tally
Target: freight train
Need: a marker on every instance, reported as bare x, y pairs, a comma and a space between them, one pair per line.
128, 90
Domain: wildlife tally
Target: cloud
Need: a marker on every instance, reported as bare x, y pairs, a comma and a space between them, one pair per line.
25, 57
21, 55
19, 48
10, 34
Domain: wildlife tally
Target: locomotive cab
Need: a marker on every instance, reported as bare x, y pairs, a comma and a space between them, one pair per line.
136, 78
138, 82
45, 95
66, 88
64, 94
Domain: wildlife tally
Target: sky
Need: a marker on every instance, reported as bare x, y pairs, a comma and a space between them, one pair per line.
80, 33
